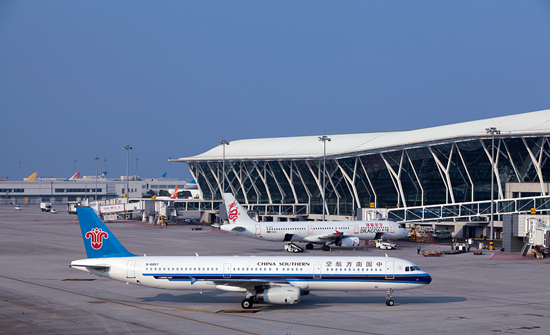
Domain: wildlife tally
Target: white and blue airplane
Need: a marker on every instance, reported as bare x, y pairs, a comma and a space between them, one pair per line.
274, 280
326, 233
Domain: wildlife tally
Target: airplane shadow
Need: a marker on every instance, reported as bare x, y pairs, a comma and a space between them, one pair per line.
317, 252
311, 301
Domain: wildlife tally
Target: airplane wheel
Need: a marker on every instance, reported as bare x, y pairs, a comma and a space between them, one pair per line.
390, 302
309, 246
326, 248
247, 303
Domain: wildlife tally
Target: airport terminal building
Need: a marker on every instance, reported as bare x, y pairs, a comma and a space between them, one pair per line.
440, 175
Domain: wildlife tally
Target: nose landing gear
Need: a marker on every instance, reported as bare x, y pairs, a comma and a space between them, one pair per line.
389, 301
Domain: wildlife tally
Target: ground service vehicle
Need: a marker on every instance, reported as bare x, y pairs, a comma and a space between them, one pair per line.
45, 206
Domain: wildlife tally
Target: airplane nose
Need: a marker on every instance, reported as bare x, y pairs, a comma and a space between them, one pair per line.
428, 279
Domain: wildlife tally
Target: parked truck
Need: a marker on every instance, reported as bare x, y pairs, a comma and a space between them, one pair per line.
45, 206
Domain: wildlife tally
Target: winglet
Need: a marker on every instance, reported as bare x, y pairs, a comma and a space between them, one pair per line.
98, 239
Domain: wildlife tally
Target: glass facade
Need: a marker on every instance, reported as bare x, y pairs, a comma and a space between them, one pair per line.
450, 172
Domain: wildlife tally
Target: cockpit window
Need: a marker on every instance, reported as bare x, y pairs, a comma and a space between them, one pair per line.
416, 267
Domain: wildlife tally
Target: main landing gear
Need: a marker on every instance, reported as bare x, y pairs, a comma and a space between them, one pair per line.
326, 247
309, 246
389, 302
247, 303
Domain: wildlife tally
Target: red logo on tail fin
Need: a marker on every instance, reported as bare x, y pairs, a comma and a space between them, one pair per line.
97, 235
233, 214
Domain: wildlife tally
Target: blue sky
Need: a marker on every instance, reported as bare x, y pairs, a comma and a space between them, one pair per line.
80, 79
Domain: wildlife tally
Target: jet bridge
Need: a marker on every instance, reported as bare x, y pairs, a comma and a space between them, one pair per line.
537, 237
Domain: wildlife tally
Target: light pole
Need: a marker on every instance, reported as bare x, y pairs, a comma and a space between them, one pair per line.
20, 170
492, 131
224, 143
75, 166
324, 138
96, 158
127, 148
104, 164
169, 158
137, 159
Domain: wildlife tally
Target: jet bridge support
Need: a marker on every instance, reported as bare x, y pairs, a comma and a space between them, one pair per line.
537, 237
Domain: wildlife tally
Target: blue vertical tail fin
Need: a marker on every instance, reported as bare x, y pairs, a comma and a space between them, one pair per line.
98, 239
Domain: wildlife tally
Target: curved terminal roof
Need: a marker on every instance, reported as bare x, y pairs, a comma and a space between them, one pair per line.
309, 147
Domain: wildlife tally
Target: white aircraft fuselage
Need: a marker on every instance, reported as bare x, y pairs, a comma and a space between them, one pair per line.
316, 231
217, 272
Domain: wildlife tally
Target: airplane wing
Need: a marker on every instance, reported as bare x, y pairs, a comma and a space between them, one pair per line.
242, 285
325, 237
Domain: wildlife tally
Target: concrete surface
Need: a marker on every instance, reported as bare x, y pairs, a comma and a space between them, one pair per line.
40, 294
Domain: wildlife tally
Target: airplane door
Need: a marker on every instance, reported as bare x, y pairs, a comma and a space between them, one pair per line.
131, 269
227, 270
258, 229
356, 229
310, 229
392, 228
316, 271
389, 270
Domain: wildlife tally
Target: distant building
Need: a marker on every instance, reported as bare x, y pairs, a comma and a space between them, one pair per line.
60, 191
439, 175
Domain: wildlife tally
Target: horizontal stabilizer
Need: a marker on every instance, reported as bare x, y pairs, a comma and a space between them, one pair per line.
91, 266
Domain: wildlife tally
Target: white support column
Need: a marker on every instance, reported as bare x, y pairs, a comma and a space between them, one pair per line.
281, 191
370, 183
396, 181
258, 193
262, 177
205, 179
417, 178
444, 173
494, 164
216, 175
318, 182
289, 179
239, 179
303, 183
352, 189
467, 172
520, 178
536, 164
195, 175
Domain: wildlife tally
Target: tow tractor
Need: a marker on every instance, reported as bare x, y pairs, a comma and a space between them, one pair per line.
381, 244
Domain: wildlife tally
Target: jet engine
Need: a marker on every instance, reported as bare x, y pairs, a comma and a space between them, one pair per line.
280, 295
348, 242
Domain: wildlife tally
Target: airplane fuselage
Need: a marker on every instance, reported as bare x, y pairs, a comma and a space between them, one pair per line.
317, 232
307, 273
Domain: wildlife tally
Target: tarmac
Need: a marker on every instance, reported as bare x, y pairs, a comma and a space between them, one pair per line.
492, 293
